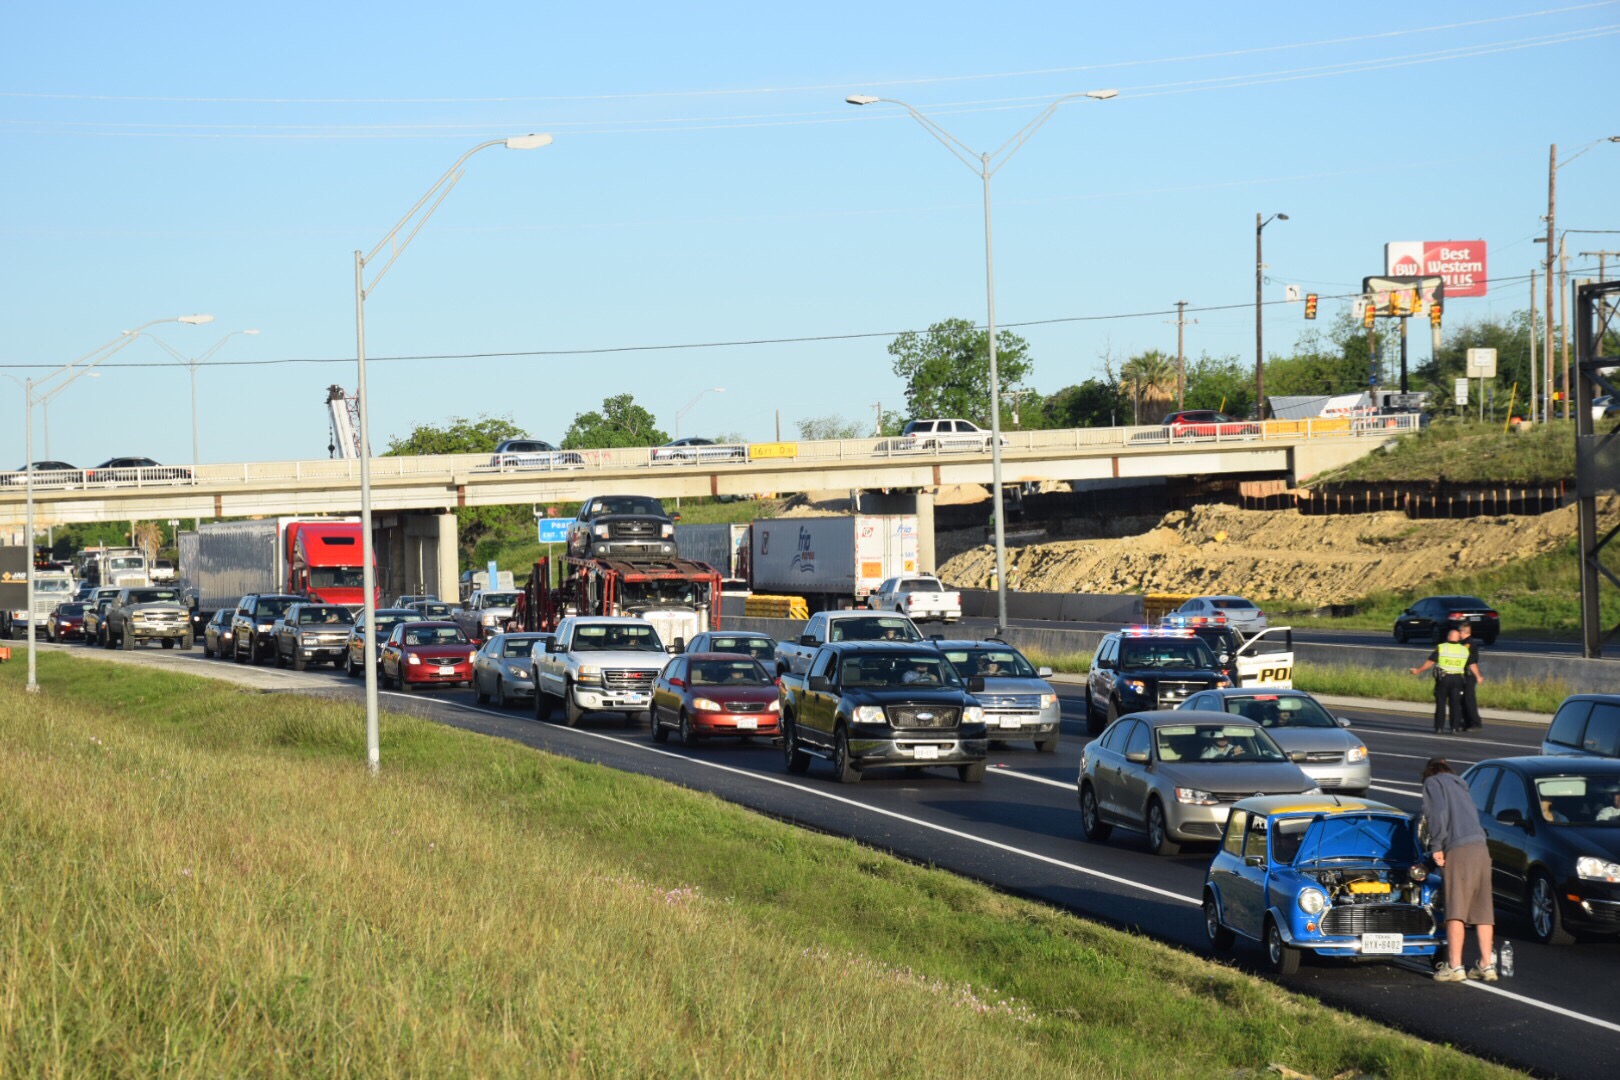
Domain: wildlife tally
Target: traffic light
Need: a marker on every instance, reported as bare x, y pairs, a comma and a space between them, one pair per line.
1434, 314
1310, 305
1397, 305
1368, 314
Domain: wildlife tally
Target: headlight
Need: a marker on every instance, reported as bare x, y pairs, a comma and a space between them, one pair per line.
1048, 700
518, 673
1312, 901
225, 635
1137, 685
413, 659
1590, 869
589, 673
973, 714
668, 531
265, 628
869, 714
1418, 872
775, 706
599, 530
490, 620
1194, 797
704, 704
1357, 753
1222, 680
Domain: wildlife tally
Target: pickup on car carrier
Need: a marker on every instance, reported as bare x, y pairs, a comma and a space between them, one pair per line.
595, 663
793, 655
869, 704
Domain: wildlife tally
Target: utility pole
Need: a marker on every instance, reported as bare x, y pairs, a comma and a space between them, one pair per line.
1181, 323
1552, 212
1535, 384
1563, 321
877, 419
1605, 310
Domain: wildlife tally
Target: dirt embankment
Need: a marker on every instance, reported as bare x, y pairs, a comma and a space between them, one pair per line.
1275, 555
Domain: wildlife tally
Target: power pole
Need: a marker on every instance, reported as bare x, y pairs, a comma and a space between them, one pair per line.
877, 419
1563, 321
1605, 309
1552, 212
1535, 384
1181, 323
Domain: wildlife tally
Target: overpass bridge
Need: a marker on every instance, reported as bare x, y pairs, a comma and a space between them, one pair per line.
406, 490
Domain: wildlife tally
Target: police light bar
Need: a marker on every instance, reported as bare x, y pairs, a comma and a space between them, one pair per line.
1155, 631
1193, 620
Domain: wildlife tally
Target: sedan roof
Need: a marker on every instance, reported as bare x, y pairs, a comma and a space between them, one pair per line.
1558, 764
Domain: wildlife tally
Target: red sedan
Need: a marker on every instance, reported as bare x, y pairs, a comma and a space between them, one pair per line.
426, 654
65, 622
702, 695
1192, 423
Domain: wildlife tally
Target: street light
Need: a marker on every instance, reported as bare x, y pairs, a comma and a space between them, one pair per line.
684, 409
987, 165
45, 408
192, 364
1259, 333
441, 188
1553, 165
72, 371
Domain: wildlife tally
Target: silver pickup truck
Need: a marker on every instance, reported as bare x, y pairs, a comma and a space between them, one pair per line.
484, 613
144, 615
598, 662
793, 655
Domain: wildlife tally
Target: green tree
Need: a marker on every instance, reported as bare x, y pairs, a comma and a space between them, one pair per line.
1510, 337
1150, 380
1220, 382
1093, 403
946, 369
463, 436
814, 428
620, 423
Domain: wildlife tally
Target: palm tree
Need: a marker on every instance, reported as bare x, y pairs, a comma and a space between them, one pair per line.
1151, 377
148, 537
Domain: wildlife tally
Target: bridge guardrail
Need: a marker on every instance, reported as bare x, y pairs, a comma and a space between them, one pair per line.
897, 448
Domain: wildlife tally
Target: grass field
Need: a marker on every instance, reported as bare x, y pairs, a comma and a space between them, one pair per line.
200, 880
1469, 452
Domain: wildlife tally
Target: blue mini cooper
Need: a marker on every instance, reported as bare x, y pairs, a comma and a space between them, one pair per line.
1338, 877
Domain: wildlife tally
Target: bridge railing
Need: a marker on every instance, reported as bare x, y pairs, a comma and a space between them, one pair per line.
729, 456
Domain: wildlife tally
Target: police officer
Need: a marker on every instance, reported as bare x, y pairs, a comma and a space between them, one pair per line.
1471, 680
1451, 657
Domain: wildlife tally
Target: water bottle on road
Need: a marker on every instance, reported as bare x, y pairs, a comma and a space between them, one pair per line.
1504, 960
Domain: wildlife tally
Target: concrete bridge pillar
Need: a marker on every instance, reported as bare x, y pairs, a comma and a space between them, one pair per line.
417, 553
919, 501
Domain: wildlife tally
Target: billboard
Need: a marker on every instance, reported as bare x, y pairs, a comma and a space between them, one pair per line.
1460, 262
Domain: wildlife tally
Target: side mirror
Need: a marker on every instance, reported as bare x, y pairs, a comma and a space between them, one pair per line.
975, 684
1044, 672
679, 647
554, 646
1344, 721
1511, 816
676, 516
808, 639
818, 683
1137, 757
1258, 861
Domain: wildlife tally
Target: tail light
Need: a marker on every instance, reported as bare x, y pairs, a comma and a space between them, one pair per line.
1490, 615
1457, 615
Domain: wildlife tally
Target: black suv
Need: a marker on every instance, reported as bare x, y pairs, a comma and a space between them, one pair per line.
1136, 670
254, 624
634, 525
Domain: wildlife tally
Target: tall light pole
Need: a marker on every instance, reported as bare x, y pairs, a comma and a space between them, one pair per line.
684, 409
191, 364
986, 165
68, 373
437, 193
1259, 322
1553, 165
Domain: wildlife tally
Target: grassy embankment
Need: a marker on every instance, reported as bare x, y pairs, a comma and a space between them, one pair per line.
1538, 696
1467, 453
202, 880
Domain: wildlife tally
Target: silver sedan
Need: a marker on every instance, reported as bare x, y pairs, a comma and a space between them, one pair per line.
503, 670
1174, 774
1315, 740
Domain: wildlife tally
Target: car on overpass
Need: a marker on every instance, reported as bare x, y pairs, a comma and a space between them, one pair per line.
135, 470
948, 433
1206, 424
46, 474
527, 453
696, 450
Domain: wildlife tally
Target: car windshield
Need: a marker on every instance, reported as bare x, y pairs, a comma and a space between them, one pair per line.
500, 599
154, 596
337, 577
334, 616
873, 628
71, 609
643, 594
1215, 743
728, 673
1280, 711
629, 504
519, 645
898, 670
436, 610
47, 584
435, 635
991, 663
1171, 654
274, 607
921, 585
1349, 838
622, 638
758, 648
1580, 800
126, 562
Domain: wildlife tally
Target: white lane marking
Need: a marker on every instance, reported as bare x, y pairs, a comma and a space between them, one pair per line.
1392, 791
1470, 740
1001, 770
1421, 757
987, 843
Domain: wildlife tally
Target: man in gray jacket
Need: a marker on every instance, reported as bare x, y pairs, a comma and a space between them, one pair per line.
1457, 842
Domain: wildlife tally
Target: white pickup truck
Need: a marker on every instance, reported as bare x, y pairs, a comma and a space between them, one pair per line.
920, 596
598, 662
794, 654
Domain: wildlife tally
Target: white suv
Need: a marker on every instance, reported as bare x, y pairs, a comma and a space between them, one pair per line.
949, 434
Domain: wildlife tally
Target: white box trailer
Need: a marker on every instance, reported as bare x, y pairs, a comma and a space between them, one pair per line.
832, 562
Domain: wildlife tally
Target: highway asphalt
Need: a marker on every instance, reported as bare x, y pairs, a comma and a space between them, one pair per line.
1020, 831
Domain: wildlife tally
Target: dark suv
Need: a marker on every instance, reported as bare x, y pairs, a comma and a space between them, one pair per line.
1136, 670
634, 525
254, 624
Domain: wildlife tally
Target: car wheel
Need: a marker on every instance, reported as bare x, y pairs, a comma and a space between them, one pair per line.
1096, 829
542, 705
1093, 727
1047, 746
1158, 831
1546, 920
208, 654
971, 773
660, 733
688, 736
1281, 957
572, 713
299, 663
501, 701
479, 695
797, 761
1488, 640
1220, 937
237, 654
348, 666
126, 642
1112, 713
50, 634
843, 768
1400, 636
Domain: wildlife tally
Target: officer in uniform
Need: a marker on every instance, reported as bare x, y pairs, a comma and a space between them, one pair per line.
1471, 680
1451, 658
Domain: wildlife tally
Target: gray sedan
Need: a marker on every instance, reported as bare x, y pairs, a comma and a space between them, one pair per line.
1313, 739
1174, 774
503, 669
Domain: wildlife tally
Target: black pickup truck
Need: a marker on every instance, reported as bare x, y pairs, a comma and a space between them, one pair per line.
867, 704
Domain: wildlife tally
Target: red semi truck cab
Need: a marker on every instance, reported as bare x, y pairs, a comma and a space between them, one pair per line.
323, 560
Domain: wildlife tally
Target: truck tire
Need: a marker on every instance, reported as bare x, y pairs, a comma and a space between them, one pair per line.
542, 705
1047, 745
237, 654
126, 641
572, 713
843, 768
299, 663
972, 773
186, 643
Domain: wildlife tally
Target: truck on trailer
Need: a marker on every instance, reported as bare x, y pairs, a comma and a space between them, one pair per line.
223, 561
678, 596
833, 562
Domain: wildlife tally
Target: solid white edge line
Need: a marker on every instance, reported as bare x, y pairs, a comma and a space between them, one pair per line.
618, 741
1002, 770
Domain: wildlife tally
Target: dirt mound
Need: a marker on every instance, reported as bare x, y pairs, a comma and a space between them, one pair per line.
1276, 555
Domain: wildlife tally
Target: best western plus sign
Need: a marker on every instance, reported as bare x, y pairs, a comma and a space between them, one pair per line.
1460, 262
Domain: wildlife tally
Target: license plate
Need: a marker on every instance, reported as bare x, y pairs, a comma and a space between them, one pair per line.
447, 669
925, 753
1382, 944
747, 723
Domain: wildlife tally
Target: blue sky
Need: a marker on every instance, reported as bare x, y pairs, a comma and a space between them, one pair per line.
708, 184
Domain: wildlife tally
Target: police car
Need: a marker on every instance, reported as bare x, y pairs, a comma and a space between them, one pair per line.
1265, 658
1144, 667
